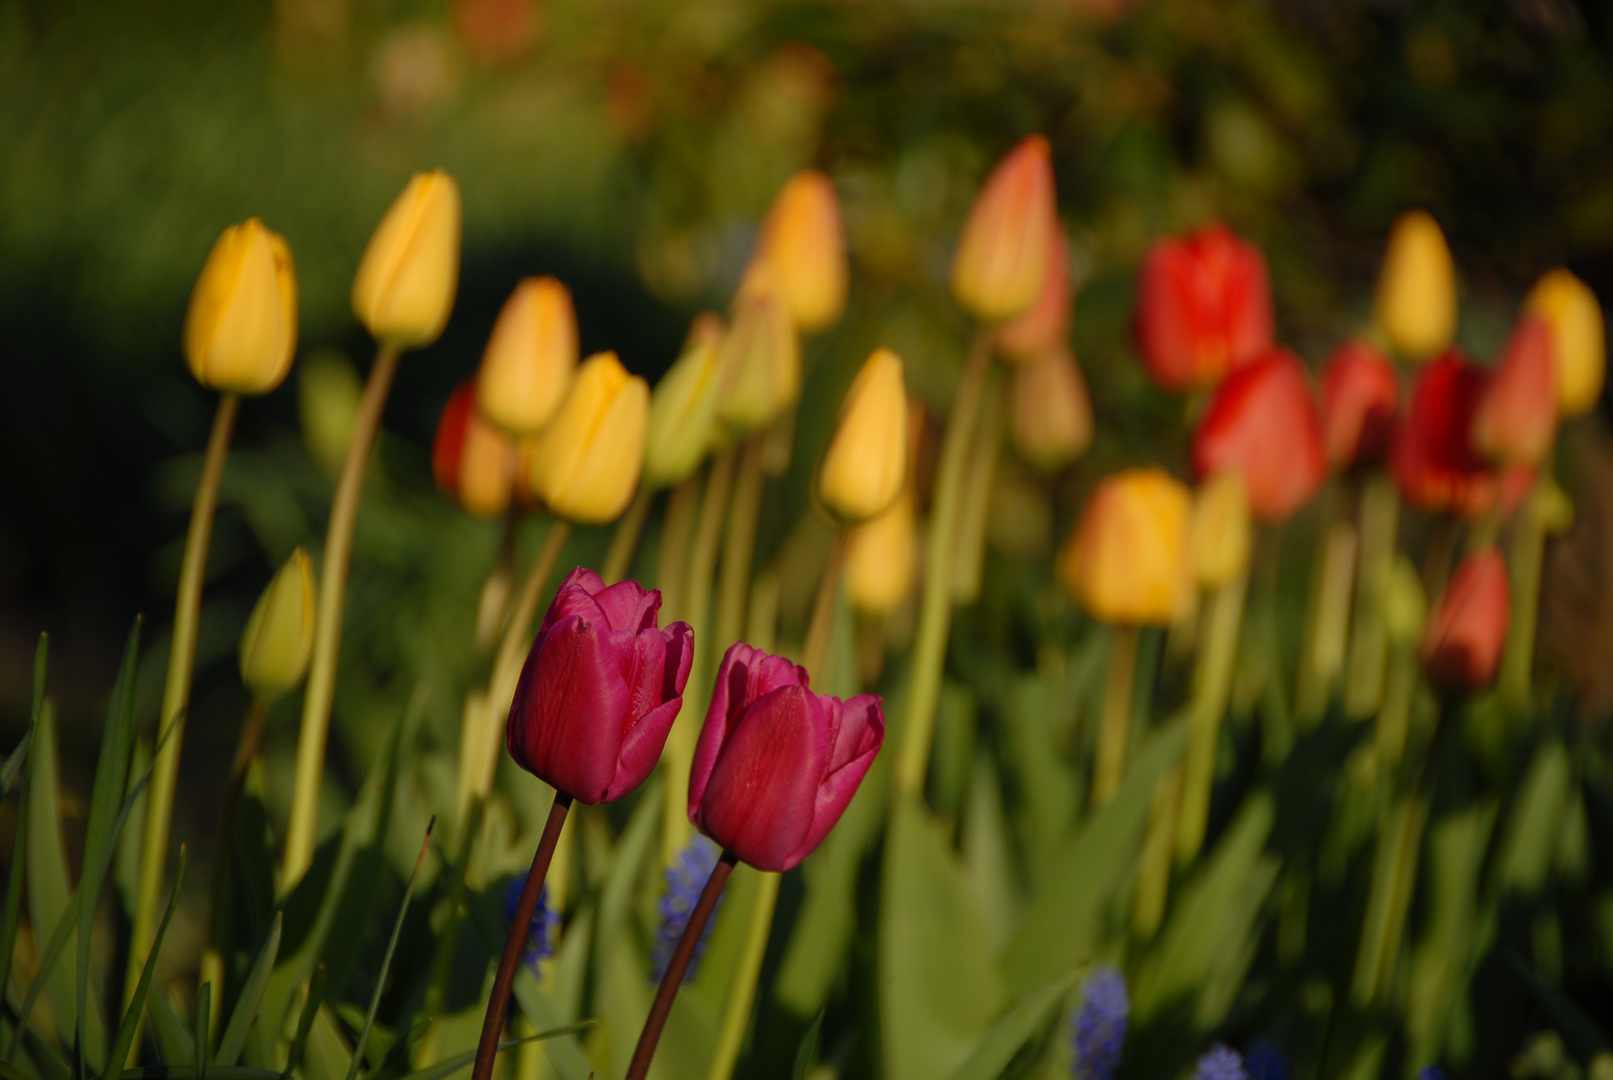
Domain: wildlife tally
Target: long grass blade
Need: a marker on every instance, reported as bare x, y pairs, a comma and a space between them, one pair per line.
47, 963
808, 1053
391, 947
251, 996
12, 913
15, 760
305, 1022
449, 1066
137, 1003
204, 1009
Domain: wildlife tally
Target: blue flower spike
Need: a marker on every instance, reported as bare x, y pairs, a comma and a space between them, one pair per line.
1099, 1028
540, 936
685, 880
1220, 1062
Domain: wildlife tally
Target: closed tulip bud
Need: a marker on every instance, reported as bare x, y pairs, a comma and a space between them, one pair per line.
1046, 324
241, 329
803, 245
279, 635
1001, 259
530, 357
865, 466
1579, 343
1203, 308
759, 364
1416, 302
683, 414
776, 764
585, 464
1405, 604
1360, 392
473, 460
1221, 529
881, 557
1263, 423
1128, 561
1516, 419
1462, 646
600, 689
1052, 411
1432, 457
405, 284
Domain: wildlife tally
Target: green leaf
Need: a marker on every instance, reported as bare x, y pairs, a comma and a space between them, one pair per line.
11, 916
808, 1053
386, 958
142, 988
176, 1043
250, 998
939, 988
15, 760
305, 1021
1535, 824
204, 1007
448, 1066
47, 964
50, 897
1010, 1033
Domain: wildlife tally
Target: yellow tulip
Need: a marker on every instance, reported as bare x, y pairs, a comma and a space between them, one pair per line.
279, 636
865, 466
683, 411
802, 243
1578, 341
405, 284
1128, 560
1221, 529
759, 365
1416, 302
881, 557
530, 357
241, 329
1052, 411
585, 464
1001, 259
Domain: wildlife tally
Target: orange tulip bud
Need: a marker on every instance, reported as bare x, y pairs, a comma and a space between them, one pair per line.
405, 285
1516, 419
1129, 561
1046, 325
530, 357
1052, 411
1263, 423
241, 329
1001, 259
472, 459
1578, 340
1203, 308
1462, 645
1360, 391
803, 245
1416, 302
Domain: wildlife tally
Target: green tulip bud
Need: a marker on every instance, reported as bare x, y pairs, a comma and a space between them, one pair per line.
280, 634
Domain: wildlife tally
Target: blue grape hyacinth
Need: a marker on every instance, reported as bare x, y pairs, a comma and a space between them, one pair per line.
685, 880
1431, 1072
540, 936
1263, 1061
1220, 1063
1099, 1028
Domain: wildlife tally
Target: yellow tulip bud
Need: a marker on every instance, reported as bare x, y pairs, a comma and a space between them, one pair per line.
585, 464
683, 414
1416, 303
1221, 529
1001, 259
760, 361
329, 394
865, 466
1052, 411
881, 556
1128, 560
1578, 341
279, 636
802, 244
405, 284
530, 357
1405, 604
241, 329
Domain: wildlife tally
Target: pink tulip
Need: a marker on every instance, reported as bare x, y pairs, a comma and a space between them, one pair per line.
776, 764
599, 690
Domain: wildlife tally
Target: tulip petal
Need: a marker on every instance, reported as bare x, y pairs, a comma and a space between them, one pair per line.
629, 606
859, 738
742, 678
576, 598
561, 725
642, 747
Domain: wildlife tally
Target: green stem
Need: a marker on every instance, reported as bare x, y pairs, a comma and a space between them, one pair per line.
935, 602
739, 542
1212, 682
246, 751
742, 991
969, 550
1369, 642
676, 530
1154, 875
1527, 557
176, 694
619, 558
303, 829
1114, 728
820, 626
1327, 622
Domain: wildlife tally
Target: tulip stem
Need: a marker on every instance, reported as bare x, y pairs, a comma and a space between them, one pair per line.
1212, 682
1110, 763
673, 562
668, 991
1369, 643
1327, 621
742, 991
739, 542
515, 942
935, 603
821, 625
1527, 558
619, 558
176, 694
303, 829
246, 751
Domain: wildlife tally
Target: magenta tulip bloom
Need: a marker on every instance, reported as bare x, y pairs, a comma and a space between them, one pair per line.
776, 764
599, 690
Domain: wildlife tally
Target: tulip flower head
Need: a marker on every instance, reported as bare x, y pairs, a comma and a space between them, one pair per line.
599, 690
473, 460
1221, 529
776, 764
1203, 308
279, 635
241, 329
1432, 456
1578, 340
1046, 324
683, 410
882, 557
585, 464
1128, 561
1462, 645
1516, 420
865, 465
1263, 423
1002, 253
530, 357
804, 247
1360, 392
406, 281
759, 363
1416, 301
1052, 411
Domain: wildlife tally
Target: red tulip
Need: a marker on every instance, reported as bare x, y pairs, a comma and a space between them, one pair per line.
1203, 308
1517, 415
1263, 423
599, 690
1462, 645
1432, 456
1360, 391
776, 764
